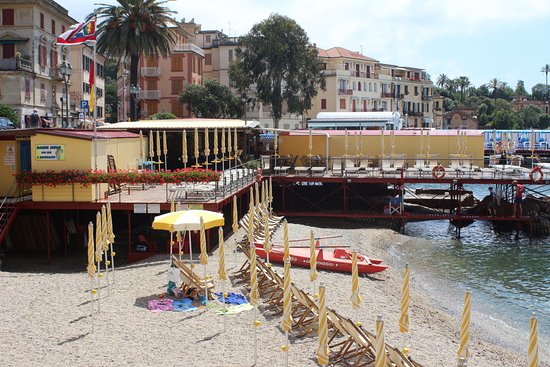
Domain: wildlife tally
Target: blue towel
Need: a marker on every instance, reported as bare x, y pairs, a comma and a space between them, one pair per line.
182, 305
232, 298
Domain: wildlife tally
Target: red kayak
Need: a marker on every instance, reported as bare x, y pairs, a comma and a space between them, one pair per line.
338, 259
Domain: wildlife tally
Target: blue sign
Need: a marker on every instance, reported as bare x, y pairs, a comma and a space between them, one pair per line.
84, 105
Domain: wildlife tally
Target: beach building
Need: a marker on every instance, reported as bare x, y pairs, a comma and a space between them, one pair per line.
356, 121
30, 56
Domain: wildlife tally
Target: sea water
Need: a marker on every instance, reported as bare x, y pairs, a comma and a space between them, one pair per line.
509, 278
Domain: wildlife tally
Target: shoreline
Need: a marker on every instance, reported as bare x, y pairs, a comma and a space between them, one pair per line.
51, 313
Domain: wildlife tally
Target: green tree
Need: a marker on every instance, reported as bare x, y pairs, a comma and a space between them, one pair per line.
162, 116
134, 28
546, 69
275, 56
529, 117
213, 100
538, 92
494, 85
520, 89
442, 80
7, 111
463, 83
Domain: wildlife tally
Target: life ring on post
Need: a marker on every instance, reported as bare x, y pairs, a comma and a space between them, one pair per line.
438, 171
536, 170
259, 175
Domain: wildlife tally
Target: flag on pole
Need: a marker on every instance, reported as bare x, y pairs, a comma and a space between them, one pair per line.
78, 33
91, 80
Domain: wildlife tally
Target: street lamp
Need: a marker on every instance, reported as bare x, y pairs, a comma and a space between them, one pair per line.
65, 69
124, 76
134, 91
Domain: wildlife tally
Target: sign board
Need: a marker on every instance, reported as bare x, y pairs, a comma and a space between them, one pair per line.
196, 206
84, 105
81, 116
140, 208
153, 208
9, 158
50, 152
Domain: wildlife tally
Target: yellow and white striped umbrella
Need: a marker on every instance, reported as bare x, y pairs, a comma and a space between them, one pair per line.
204, 254
229, 146
267, 242
91, 259
322, 349
110, 231
235, 142
251, 214
465, 326
164, 143
355, 295
172, 204
235, 215
98, 238
270, 192
141, 147
184, 157
151, 145
533, 351
188, 220
254, 296
257, 195
312, 258
196, 147
380, 343
286, 247
222, 275
206, 144
286, 323
158, 146
216, 150
405, 299
104, 234
223, 142
275, 142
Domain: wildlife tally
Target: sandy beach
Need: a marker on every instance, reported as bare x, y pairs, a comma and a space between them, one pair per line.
45, 317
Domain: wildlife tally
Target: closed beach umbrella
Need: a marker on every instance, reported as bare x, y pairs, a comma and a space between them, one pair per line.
257, 195
105, 245
465, 327
355, 295
184, 157
254, 296
421, 141
111, 236
164, 143
203, 258
428, 144
91, 259
286, 247
405, 298
382, 147
270, 193
216, 151
151, 145
392, 139
286, 323
141, 147
356, 145
533, 352
222, 148
196, 150
98, 239
322, 349
229, 146
158, 148
222, 275
275, 142
206, 145
251, 214
235, 215
312, 260
267, 243
532, 144
380, 344
236, 144
494, 141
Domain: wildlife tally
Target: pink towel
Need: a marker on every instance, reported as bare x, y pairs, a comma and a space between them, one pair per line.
159, 305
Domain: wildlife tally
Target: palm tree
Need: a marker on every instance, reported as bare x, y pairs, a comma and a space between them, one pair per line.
546, 69
493, 86
442, 80
133, 28
463, 83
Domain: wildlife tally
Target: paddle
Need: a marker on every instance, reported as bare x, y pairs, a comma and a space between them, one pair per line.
316, 238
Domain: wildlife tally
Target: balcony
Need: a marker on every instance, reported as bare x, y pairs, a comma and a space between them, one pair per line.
426, 97
189, 47
150, 94
15, 64
55, 74
150, 71
345, 92
387, 95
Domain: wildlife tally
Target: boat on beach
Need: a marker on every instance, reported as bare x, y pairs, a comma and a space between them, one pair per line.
337, 259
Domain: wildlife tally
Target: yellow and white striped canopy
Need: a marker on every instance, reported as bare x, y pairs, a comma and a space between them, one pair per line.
188, 220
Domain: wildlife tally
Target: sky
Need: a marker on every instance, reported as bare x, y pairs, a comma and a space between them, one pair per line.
480, 39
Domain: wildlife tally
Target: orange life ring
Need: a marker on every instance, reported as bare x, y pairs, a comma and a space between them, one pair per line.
438, 171
538, 170
259, 175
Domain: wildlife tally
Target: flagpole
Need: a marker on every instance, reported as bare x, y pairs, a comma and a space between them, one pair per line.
95, 110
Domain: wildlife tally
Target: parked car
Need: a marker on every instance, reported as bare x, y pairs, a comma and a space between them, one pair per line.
5, 123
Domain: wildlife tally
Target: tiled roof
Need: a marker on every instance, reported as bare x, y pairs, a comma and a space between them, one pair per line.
337, 52
88, 134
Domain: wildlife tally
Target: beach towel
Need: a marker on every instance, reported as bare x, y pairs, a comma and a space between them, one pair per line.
229, 310
183, 305
232, 298
159, 305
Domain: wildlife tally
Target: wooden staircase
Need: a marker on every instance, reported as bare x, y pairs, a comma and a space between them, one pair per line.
8, 211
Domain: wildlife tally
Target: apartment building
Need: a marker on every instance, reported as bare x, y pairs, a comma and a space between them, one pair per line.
357, 83
29, 75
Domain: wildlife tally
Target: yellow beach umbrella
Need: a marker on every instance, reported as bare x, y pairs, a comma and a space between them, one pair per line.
141, 147
382, 148
151, 145
158, 147
270, 193
421, 141
196, 150
355, 295
203, 258
222, 275
164, 143
286, 247
458, 142
428, 144
405, 298
312, 260
254, 296
257, 195
184, 148
533, 351
229, 146
465, 327
111, 236
206, 146
98, 239
322, 349
267, 243
236, 144
275, 142
380, 344
286, 322
356, 145
251, 214
532, 146
216, 150
392, 140
222, 148
188, 220
494, 141
105, 245
91, 259
235, 215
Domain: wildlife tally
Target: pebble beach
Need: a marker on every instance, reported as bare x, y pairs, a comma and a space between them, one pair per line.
45, 316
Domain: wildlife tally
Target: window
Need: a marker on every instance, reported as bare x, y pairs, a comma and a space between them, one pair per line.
370, 87
99, 92
63, 29
42, 92
286, 126
375, 87
53, 57
53, 26
346, 66
208, 59
43, 55
176, 63
42, 20
8, 17
177, 86
342, 104
415, 91
230, 56
177, 108
323, 104
8, 51
359, 86
151, 85
208, 38
27, 89
406, 89
152, 108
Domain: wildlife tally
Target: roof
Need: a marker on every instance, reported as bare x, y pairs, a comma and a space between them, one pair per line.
179, 124
87, 134
355, 116
336, 52
407, 132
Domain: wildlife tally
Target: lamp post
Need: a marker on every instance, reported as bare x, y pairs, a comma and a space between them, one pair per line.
124, 76
134, 91
65, 69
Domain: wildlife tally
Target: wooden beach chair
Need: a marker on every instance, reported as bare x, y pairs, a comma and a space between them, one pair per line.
305, 314
364, 353
340, 342
191, 279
